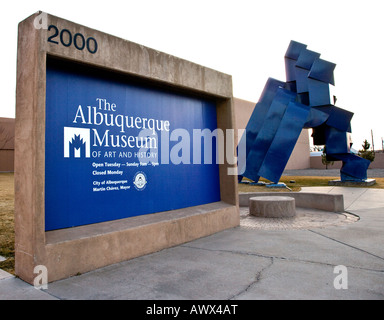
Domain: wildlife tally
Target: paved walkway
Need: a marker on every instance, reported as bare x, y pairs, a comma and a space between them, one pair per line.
245, 263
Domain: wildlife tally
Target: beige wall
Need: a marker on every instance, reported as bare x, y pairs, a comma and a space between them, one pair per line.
6, 160
317, 164
7, 144
300, 157
378, 163
300, 154
243, 110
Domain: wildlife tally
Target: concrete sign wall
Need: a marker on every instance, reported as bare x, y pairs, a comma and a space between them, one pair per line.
118, 149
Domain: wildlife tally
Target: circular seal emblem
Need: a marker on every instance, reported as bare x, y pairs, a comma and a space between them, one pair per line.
140, 181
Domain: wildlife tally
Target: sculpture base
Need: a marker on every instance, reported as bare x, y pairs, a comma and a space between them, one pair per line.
259, 183
365, 183
276, 185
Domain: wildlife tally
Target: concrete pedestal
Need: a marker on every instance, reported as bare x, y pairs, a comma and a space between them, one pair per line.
272, 207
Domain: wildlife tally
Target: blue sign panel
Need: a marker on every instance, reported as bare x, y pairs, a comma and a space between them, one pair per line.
116, 149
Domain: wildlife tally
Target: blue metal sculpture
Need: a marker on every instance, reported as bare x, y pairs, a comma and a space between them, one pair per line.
285, 108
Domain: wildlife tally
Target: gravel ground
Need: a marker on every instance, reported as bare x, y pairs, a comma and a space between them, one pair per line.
372, 173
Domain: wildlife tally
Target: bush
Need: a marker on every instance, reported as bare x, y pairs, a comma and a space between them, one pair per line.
365, 152
324, 159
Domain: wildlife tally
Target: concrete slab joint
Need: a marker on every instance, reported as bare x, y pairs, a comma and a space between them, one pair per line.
67, 252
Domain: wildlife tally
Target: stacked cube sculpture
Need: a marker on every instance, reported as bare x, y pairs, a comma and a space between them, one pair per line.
304, 100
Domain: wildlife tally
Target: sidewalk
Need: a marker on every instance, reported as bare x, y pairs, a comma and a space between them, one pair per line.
243, 263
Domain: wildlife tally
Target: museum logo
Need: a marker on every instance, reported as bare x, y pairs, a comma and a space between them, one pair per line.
77, 142
140, 181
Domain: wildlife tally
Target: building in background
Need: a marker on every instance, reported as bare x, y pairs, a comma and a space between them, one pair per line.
7, 144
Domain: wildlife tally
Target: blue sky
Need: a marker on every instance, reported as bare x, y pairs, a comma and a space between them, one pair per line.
243, 38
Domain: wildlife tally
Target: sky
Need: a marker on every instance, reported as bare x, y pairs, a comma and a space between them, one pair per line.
246, 39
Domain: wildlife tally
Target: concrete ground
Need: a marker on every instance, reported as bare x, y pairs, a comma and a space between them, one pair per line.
245, 264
